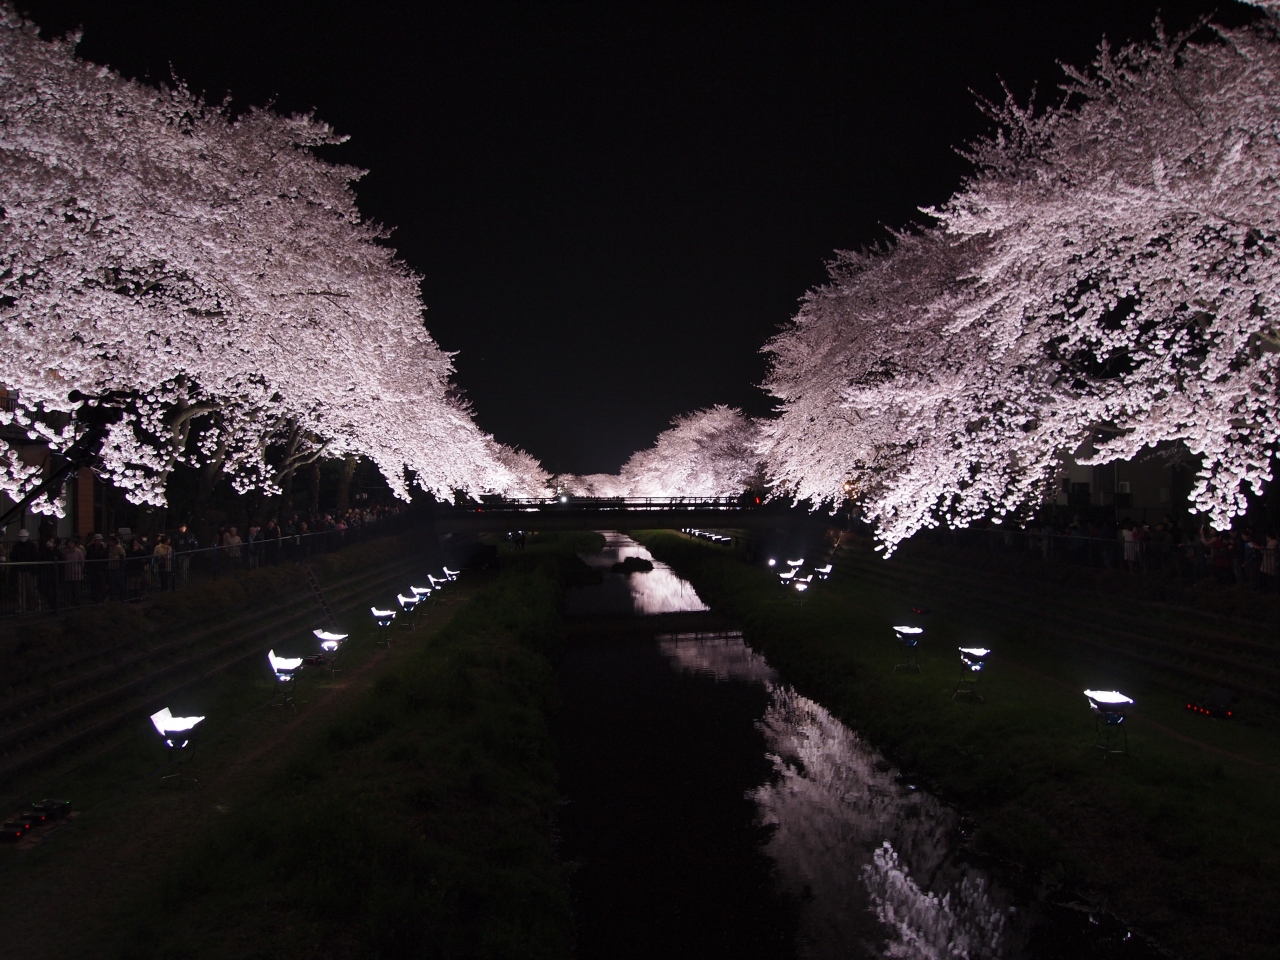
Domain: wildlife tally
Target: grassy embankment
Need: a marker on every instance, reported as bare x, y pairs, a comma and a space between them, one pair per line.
28, 643
417, 823
1180, 837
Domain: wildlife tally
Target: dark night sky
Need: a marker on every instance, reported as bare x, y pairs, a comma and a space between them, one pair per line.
613, 208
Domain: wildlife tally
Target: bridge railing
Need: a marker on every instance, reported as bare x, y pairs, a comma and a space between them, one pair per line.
586, 504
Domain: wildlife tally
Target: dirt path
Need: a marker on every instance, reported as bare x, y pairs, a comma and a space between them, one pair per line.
66, 898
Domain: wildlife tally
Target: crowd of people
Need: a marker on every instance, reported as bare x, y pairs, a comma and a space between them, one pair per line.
46, 573
1246, 554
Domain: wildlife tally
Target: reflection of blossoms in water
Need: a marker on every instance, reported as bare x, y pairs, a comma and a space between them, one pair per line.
720, 655
835, 808
657, 591
959, 924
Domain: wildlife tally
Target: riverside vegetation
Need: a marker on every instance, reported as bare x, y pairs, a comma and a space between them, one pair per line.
1179, 838
418, 823
406, 811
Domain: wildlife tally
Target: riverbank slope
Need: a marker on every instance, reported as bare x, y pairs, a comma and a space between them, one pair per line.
1179, 838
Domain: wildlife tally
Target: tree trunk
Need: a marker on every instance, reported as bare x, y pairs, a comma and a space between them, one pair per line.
313, 487
344, 483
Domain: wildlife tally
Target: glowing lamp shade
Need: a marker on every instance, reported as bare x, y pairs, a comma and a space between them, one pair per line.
973, 657
823, 572
420, 591
381, 613
451, 574
408, 602
808, 579
1107, 698
801, 586
909, 630
166, 723
773, 562
787, 574
329, 641
283, 666
435, 584
795, 563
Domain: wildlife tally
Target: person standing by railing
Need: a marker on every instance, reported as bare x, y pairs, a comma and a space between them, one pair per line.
1268, 565
135, 570
116, 557
162, 558
72, 556
184, 544
232, 543
271, 543
27, 554
95, 553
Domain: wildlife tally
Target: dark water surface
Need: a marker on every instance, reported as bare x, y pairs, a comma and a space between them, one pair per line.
713, 812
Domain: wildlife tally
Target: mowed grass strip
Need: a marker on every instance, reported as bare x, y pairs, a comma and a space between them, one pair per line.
418, 823
1180, 838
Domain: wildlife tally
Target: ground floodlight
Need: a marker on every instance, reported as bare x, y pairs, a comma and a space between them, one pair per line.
801, 586
420, 591
773, 562
283, 667
166, 724
823, 572
787, 574
409, 602
795, 563
808, 579
451, 574
177, 748
382, 617
435, 584
972, 660
1109, 708
329, 641
909, 637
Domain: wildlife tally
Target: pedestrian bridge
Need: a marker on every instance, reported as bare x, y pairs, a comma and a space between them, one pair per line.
611, 513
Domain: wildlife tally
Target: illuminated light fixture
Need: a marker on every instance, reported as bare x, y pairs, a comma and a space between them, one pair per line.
564, 498
823, 572
808, 579
383, 620
972, 660
177, 747
283, 667
329, 641
166, 724
435, 584
787, 574
795, 563
909, 637
451, 574
801, 586
420, 591
409, 602
773, 562
1109, 710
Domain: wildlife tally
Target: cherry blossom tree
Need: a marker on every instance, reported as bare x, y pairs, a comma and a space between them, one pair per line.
1108, 274
707, 453
205, 272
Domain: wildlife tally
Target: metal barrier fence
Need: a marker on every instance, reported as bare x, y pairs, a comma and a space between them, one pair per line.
53, 585
1182, 556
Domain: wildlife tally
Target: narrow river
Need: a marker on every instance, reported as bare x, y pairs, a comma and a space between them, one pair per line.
712, 811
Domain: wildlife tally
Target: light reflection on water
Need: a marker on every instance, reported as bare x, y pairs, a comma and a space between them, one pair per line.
869, 856
657, 591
